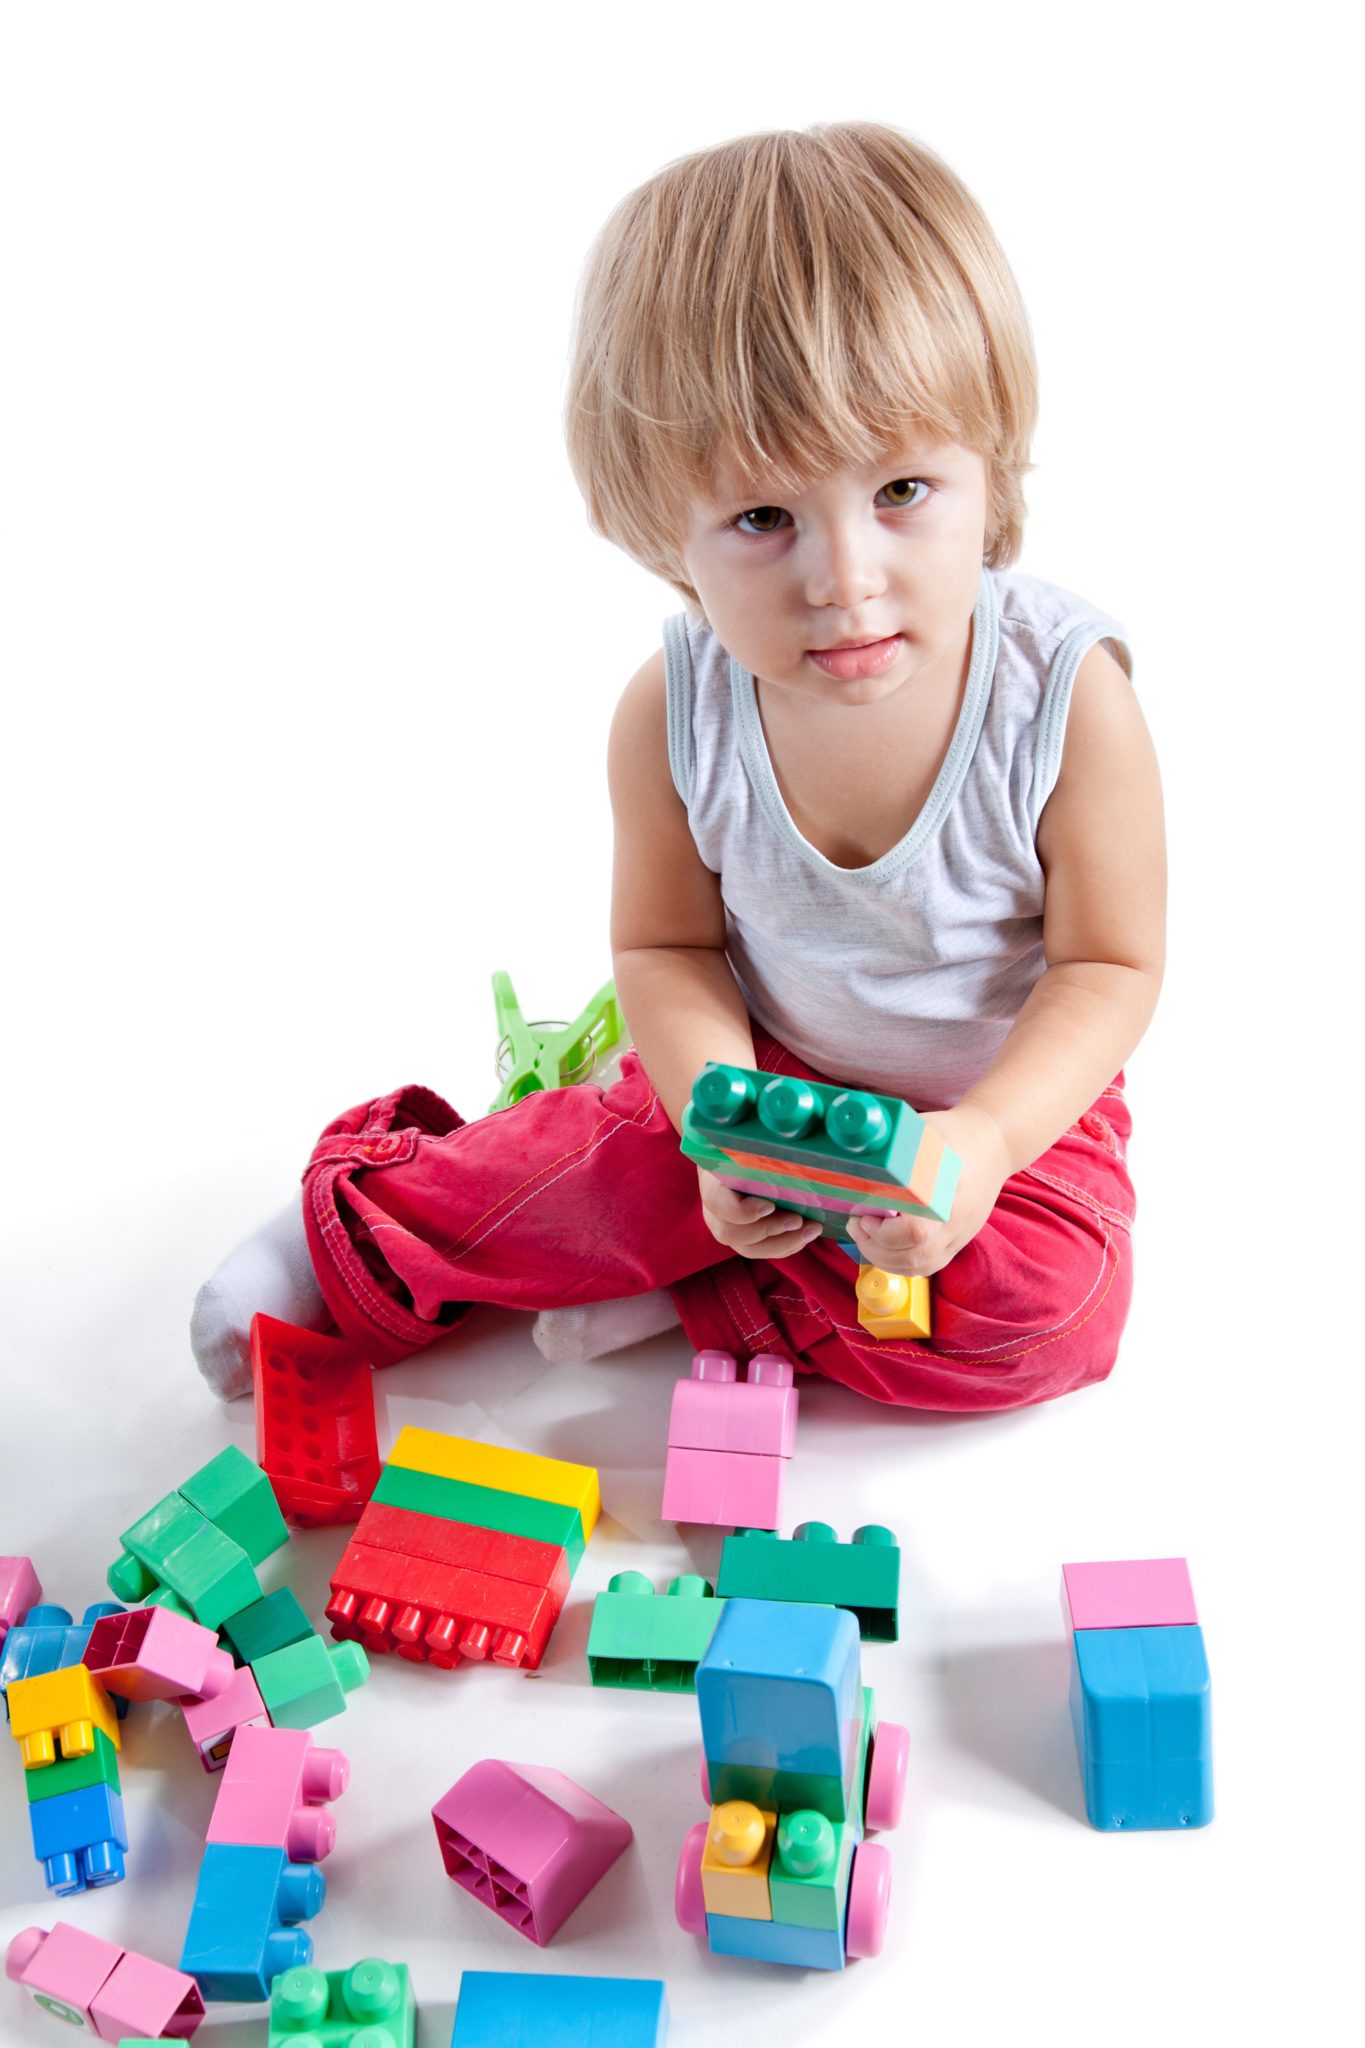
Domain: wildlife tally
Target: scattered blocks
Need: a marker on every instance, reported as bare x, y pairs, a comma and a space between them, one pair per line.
368, 2006
527, 1842
243, 1930
63, 1708
641, 1642
315, 1429
213, 1724
728, 1442
500, 2009
813, 1568
307, 1682
19, 1591
155, 1654
113, 1993
79, 1838
275, 1788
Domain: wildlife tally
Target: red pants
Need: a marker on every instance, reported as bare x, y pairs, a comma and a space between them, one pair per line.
584, 1195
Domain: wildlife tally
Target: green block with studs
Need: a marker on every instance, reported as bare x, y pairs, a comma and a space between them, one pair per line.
75, 1773
813, 1568
645, 1642
235, 1495
308, 1682
172, 1550
808, 1880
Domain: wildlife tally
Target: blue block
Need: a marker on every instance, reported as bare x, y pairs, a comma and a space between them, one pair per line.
242, 1934
48, 1640
779, 1688
79, 1838
768, 1941
1141, 1711
507, 2009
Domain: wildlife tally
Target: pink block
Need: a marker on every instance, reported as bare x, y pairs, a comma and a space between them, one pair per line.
64, 1970
19, 1590
153, 1654
275, 1785
1153, 1592
757, 1414
213, 1723
527, 1842
833, 1203
146, 2001
728, 1489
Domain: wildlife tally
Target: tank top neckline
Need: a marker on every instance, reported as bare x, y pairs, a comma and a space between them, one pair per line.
758, 765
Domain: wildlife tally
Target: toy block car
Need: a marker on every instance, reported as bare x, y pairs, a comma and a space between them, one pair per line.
504, 2009
642, 1642
105, 1990
315, 1427
368, 2006
813, 1568
527, 1842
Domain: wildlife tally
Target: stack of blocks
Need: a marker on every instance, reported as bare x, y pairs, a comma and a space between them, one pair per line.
75, 1801
1139, 1694
503, 2009
107, 1991
642, 1643
526, 1842
315, 1429
729, 1442
47, 1639
368, 2006
815, 1569
465, 1550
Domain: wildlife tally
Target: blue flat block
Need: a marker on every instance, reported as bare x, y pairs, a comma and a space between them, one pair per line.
242, 1934
1140, 1706
49, 1640
779, 1687
768, 1941
508, 2009
79, 1838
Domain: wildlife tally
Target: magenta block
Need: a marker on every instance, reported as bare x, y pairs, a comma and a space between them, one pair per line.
64, 1970
834, 1204
115, 1993
147, 2001
19, 1590
716, 1412
728, 1489
213, 1723
154, 1654
1153, 1592
527, 1842
275, 1787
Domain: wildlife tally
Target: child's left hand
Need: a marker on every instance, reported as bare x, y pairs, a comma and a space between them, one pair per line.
915, 1244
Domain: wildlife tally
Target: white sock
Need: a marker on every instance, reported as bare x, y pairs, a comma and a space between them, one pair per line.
572, 1336
269, 1271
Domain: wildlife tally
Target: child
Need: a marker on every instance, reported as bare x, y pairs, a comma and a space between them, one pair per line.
886, 814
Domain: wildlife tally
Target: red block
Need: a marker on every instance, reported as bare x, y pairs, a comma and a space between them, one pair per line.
471, 1549
436, 1613
315, 1430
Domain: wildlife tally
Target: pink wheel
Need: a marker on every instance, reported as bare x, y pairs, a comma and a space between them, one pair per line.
869, 1900
689, 1902
884, 1802
705, 1777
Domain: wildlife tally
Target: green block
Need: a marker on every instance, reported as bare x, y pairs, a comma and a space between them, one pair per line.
642, 1642
269, 1624
814, 1569
237, 1498
173, 1547
808, 1881
511, 1514
75, 1773
308, 1682
371, 2002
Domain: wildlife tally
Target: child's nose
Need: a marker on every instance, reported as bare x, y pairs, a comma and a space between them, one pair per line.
845, 568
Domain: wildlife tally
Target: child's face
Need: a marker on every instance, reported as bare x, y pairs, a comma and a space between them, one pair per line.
888, 552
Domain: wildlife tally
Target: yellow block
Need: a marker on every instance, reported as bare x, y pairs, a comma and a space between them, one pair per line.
737, 1859
503, 1471
69, 1705
892, 1305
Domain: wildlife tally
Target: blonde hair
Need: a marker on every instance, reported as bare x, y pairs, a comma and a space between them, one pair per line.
797, 300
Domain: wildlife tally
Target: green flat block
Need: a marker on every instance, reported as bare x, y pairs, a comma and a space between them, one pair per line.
808, 1881
237, 1498
269, 1624
814, 1569
308, 1682
644, 1642
372, 2001
511, 1514
777, 1117
172, 1546
75, 1773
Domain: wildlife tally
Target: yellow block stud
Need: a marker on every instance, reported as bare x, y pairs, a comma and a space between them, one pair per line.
67, 1705
737, 1859
501, 1470
892, 1304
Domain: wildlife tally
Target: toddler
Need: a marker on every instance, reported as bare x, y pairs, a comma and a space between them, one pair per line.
886, 814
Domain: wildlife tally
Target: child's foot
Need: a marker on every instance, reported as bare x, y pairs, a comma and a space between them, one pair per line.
270, 1272
572, 1336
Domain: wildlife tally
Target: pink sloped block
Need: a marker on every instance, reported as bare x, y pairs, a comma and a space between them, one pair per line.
727, 1489
145, 2001
757, 1414
527, 1842
154, 1654
1152, 1592
213, 1723
19, 1590
63, 1968
275, 1788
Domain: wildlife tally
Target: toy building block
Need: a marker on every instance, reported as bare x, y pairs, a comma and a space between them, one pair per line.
527, 1842
482, 1507
808, 1880
61, 1707
73, 1774
213, 1724
1152, 1592
49, 1640
772, 1941
467, 1546
269, 1624
307, 1682
725, 1489
275, 1788
368, 2006
19, 1591
781, 1705
243, 1930
893, 1304
236, 1496
501, 1470
647, 1644
714, 1410
154, 1654
79, 1838
503, 2009
173, 1557
739, 1852
437, 1613
112, 1993
315, 1427
535, 1057
815, 1569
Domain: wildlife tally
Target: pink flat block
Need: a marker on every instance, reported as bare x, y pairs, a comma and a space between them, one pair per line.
213, 1723
275, 1786
757, 1414
1153, 1592
19, 1590
858, 1205
527, 1842
146, 2001
727, 1489
64, 1970
154, 1654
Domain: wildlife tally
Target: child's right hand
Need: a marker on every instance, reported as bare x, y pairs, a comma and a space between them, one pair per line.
750, 1225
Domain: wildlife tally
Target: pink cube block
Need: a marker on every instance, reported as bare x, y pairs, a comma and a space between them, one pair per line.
154, 1654
213, 1723
275, 1786
728, 1489
1153, 1592
715, 1412
19, 1590
115, 1993
146, 2001
527, 1842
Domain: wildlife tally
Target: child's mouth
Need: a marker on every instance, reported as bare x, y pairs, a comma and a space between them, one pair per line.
853, 664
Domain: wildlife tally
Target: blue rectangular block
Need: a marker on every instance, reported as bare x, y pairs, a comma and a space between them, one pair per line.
1140, 1706
769, 1941
509, 2009
242, 1932
79, 1838
778, 1688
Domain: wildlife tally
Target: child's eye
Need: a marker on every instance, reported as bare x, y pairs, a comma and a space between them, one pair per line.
766, 516
909, 484
905, 492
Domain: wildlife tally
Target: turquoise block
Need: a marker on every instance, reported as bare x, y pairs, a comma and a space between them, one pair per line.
779, 1690
1140, 1706
770, 1941
513, 2009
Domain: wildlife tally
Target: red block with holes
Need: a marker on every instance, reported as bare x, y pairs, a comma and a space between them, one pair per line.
315, 1429
520, 1558
438, 1613
526, 1842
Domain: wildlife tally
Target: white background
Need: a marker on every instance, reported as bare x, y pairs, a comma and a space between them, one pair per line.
309, 657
